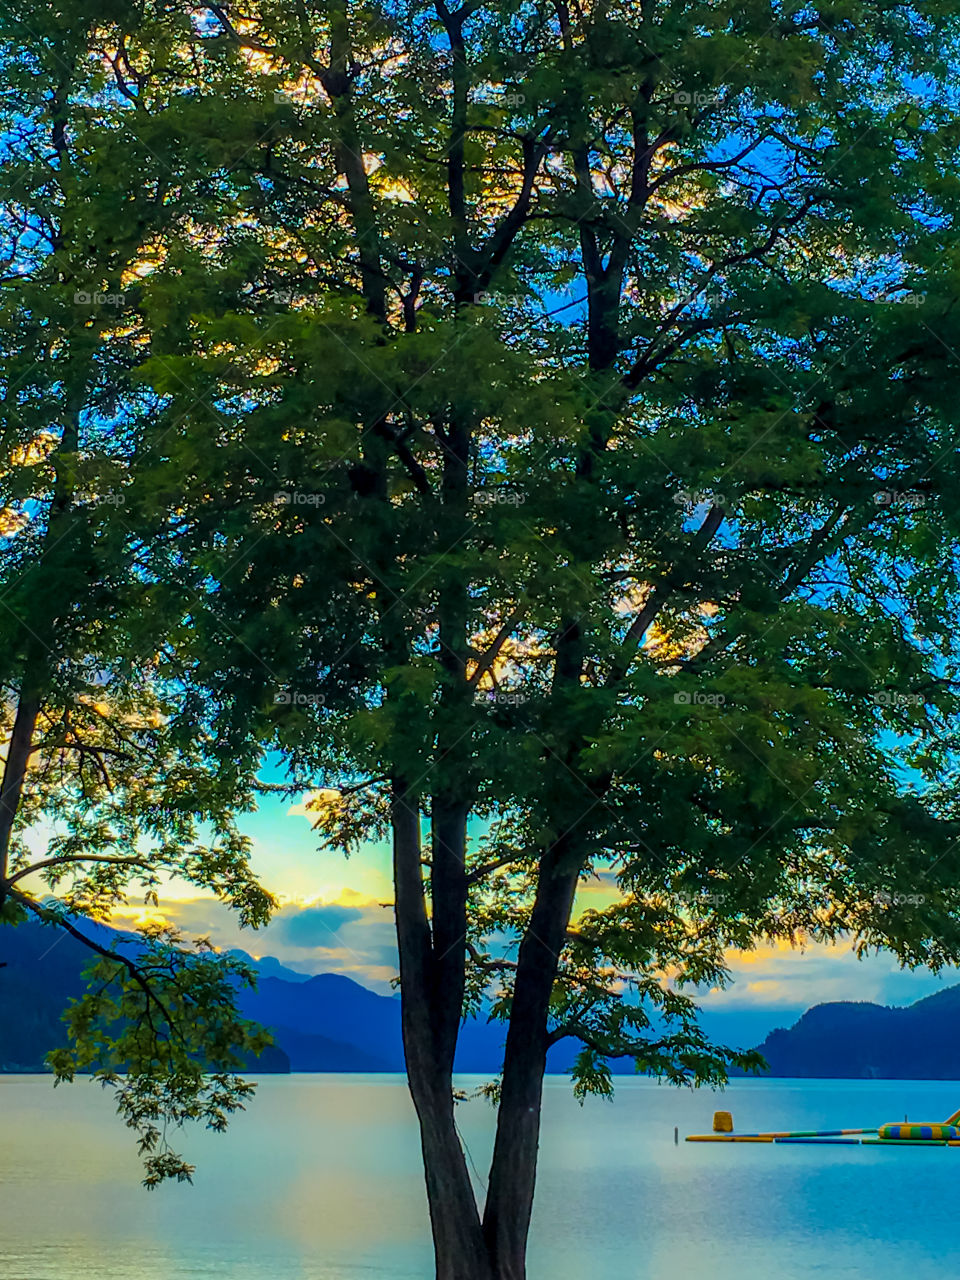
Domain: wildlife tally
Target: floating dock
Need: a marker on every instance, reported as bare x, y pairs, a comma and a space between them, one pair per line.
911, 1133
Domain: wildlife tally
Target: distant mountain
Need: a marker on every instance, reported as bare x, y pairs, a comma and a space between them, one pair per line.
328, 1022
302, 1014
270, 967
320, 1053
871, 1042
41, 972
331, 1004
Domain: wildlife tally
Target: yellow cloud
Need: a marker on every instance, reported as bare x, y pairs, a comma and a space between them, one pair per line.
139, 917
354, 898
766, 987
312, 802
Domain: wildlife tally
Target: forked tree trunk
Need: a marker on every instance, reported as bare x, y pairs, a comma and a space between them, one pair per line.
464, 1249
459, 1246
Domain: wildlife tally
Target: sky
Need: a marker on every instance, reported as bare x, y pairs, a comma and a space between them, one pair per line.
333, 918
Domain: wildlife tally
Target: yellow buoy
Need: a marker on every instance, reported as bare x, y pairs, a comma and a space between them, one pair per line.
722, 1122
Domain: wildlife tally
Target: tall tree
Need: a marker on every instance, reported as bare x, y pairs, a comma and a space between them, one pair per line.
101, 790
553, 457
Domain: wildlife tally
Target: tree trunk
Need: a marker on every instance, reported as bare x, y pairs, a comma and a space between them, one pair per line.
39, 630
458, 1242
454, 1218
18, 757
513, 1171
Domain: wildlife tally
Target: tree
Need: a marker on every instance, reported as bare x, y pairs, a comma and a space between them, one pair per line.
100, 789
518, 429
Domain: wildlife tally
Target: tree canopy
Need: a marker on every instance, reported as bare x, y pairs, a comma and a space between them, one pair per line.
538, 430
105, 787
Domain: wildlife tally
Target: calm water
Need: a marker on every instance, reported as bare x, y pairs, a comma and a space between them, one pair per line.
320, 1181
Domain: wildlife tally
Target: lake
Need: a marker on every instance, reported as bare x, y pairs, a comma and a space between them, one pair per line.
320, 1180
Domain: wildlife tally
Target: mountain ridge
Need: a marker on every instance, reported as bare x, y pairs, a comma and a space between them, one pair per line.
860, 1040
330, 1022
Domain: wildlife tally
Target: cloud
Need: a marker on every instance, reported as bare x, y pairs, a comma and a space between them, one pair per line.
316, 926
778, 976
310, 803
349, 933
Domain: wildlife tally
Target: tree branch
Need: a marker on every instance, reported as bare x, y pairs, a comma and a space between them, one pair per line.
488, 962
659, 596
490, 655
574, 1030
132, 968
74, 857
485, 868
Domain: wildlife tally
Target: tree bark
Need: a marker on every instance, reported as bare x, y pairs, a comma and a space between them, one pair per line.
37, 645
454, 1217
18, 757
513, 1172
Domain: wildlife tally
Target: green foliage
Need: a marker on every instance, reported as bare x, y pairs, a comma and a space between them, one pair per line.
530, 421
161, 1028
112, 780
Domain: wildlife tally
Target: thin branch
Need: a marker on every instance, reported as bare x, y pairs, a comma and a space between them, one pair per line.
490, 655
415, 470
49, 917
76, 857
817, 547
585, 1035
488, 963
711, 166
485, 868
236, 36
660, 594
